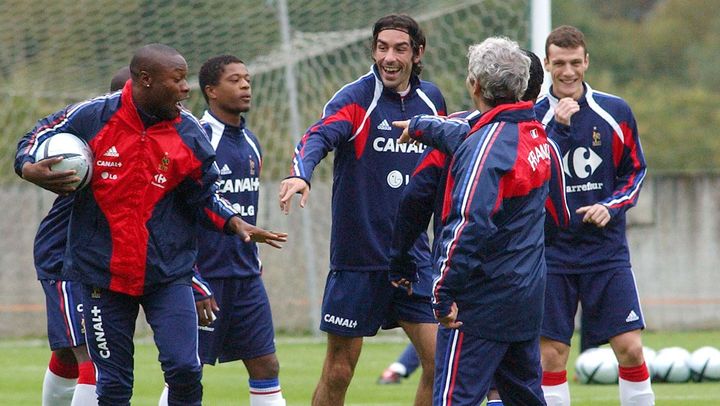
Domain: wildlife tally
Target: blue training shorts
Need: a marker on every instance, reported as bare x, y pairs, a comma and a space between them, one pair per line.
243, 328
359, 303
63, 305
610, 305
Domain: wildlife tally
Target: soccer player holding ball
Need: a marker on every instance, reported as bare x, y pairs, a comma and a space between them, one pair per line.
132, 231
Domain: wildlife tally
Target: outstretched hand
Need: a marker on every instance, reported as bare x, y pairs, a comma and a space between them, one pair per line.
249, 232
288, 188
405, 136
41, 174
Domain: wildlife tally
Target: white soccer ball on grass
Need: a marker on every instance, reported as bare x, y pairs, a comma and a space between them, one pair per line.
598, 366
671, 365
704, 364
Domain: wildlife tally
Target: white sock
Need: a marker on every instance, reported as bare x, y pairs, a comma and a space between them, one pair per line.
56, 390
398, 368
163, 397
636, 393
84, 395
266, 393
557, 395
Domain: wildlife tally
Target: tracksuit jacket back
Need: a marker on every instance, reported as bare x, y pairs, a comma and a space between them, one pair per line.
491, 258
133, 227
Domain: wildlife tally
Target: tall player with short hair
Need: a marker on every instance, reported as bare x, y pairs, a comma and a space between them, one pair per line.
370, 173
589, 263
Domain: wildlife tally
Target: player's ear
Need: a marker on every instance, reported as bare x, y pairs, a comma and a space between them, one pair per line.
210, 92
144, 78
477, 89
417, 57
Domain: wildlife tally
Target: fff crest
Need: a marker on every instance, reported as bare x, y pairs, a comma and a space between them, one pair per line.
164, 163
596, 138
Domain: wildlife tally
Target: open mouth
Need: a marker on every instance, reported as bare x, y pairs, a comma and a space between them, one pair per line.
391, 70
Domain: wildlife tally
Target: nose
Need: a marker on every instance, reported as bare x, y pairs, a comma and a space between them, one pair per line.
390, 55
567, 70
184, 86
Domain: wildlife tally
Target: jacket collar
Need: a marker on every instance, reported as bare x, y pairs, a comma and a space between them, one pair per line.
132, 112
209, 116
514, 112
587, 93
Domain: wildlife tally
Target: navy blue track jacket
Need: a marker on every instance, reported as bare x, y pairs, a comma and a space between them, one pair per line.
603, 163
133, 227
370, 169
491, 261
239, 159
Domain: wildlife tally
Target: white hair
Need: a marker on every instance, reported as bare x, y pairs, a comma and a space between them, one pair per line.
501, 68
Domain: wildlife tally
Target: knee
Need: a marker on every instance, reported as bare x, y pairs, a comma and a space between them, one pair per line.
263, 368
183, 374
628, 348
184, 386
553, 355
272, 368
339, 375
65, 355
630, 354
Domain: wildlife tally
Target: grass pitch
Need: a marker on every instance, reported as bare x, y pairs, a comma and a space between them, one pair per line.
23, 364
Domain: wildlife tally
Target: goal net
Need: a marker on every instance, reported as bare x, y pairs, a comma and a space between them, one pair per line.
299, 53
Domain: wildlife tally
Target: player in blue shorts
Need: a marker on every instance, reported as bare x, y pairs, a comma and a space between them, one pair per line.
243, 329
370, 172
70, 377
589, 262
131, 236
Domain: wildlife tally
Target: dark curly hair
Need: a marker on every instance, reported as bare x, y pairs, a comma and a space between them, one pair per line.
212, 69
537, 75
404, 23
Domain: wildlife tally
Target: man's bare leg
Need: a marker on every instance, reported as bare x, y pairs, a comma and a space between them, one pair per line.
423, 337
340, 360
